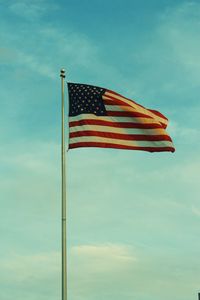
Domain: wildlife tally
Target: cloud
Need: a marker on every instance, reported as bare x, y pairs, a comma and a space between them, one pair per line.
31, 10
30, 275
39, 157
185, 135
34, 175
167, 61
79, 52
19, 57
29, 61
196, 210
57, 47
35, 64
7, 55
180, 30
39, 273
25, 268
104, 258
95, 269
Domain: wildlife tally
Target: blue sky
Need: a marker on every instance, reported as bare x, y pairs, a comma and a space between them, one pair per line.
133, 217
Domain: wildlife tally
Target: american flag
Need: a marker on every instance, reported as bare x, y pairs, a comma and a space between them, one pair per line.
100, 117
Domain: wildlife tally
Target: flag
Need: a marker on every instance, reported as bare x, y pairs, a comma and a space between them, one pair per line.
99, 117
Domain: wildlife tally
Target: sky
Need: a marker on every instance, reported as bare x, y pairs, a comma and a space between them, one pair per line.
133, 217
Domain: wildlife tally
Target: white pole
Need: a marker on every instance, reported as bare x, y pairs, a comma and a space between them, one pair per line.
63, 175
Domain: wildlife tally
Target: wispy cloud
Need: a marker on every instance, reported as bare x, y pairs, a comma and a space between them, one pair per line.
103, 258
94, 266
97, 268
7, 55
169, 59
185, 134
70, 49
180, 30
93, 271
31, 10
19, 268
196, 211
30, 275
57, 46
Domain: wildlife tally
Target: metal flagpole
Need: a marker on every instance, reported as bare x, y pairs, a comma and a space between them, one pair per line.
63, 174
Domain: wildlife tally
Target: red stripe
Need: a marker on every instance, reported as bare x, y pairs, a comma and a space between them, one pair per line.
115, 124
127, 114
115, 102
129, 100
120, 136
119, 102
157, 113
110, 145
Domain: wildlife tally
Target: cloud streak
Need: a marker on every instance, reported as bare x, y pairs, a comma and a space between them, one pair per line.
31, 11
31, 275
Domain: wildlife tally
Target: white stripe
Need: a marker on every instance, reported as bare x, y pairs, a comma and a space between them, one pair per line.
98, 139
101, 128
119, 108
110, 96
135, 106
112, 119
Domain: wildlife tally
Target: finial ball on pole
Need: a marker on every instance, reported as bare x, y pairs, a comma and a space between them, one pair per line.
62, 73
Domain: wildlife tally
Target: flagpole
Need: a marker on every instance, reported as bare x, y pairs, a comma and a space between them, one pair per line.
63, 175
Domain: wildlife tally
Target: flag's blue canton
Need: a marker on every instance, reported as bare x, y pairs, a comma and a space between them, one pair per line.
85, 99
